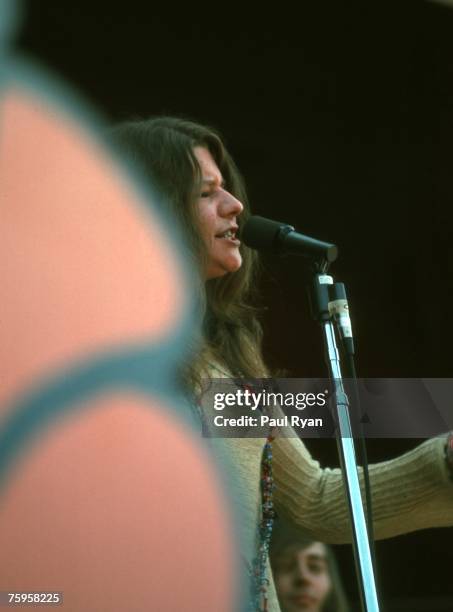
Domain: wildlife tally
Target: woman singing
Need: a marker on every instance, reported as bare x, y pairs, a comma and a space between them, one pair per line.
200, 183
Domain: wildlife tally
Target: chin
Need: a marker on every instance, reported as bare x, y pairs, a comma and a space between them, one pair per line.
236, 267
221, 266
232, 269
218, 272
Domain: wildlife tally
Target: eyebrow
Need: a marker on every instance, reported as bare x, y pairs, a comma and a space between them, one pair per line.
312, 557
212, 181
317, 557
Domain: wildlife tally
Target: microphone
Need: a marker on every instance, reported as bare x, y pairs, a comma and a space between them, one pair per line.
264, 234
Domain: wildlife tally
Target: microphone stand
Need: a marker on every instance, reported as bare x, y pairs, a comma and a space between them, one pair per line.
319, 298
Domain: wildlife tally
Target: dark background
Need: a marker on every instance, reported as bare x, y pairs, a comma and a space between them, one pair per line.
340, 116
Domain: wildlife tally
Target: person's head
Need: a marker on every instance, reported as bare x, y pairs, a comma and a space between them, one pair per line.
305, 574
198, 181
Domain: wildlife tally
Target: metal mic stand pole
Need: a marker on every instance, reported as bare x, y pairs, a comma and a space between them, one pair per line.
319, 298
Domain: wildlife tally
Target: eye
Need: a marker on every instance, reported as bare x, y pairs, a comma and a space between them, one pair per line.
317, 568
205, 194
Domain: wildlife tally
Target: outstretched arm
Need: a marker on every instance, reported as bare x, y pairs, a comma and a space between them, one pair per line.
413, 491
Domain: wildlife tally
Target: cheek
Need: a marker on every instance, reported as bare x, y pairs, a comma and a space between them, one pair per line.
323, 586
207, 223
283, 582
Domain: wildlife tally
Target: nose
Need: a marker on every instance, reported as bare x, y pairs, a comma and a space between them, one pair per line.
301, 574
230, 206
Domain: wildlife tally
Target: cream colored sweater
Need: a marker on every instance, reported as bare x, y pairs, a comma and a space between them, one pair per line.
411, 492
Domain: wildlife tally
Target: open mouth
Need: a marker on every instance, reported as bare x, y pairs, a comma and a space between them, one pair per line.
229, 235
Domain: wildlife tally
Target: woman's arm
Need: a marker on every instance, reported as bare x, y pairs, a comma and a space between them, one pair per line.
411, 492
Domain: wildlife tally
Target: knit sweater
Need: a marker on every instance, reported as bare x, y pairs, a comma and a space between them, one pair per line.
411, 492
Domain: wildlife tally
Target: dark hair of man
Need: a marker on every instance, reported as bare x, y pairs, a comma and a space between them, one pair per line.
162, 148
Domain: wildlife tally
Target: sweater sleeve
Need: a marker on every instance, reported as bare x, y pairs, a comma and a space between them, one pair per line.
410, 492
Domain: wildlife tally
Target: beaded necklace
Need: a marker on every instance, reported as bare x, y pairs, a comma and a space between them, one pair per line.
258, 578
260, 582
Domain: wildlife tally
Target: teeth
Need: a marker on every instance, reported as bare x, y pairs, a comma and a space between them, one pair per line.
231, 234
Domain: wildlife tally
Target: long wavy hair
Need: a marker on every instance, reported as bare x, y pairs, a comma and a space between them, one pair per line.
162, 149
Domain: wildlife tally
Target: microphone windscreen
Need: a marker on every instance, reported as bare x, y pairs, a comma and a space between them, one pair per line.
261, 233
